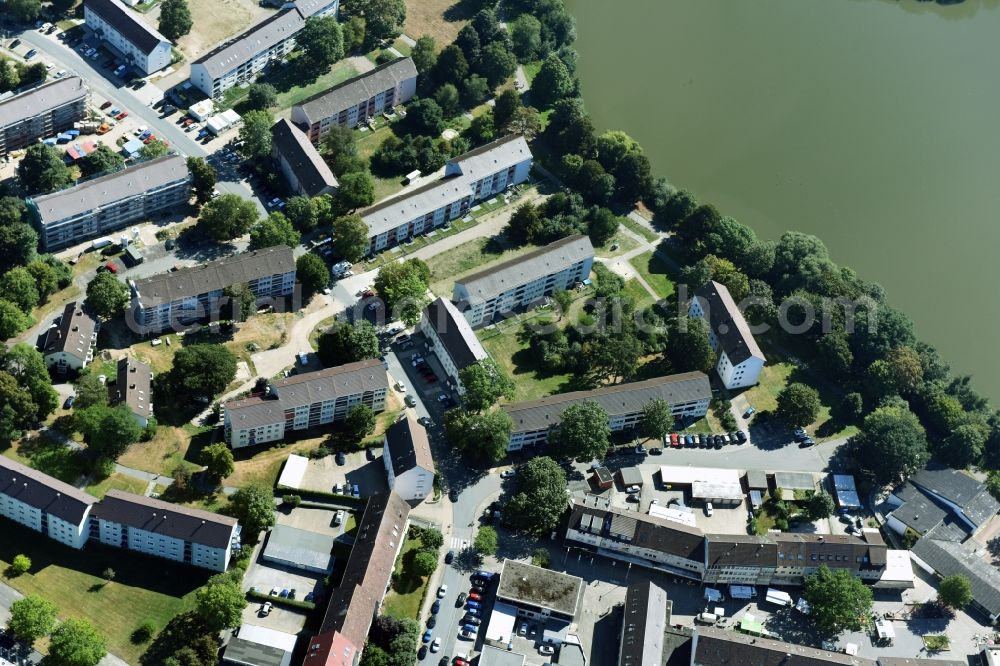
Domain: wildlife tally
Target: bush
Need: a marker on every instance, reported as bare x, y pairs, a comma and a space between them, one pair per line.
292, 500
19, 566
143, 633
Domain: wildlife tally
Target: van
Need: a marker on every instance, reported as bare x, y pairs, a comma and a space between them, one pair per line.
712, 594
706, 618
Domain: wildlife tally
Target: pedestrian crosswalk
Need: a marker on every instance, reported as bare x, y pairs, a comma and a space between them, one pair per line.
458, 543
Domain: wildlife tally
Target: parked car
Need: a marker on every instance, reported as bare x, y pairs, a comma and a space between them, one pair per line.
750, 411
507, 473
449, 557
475, 596
422, 652
443, 590
436, 645
742, 436
265, 610
69, 402
341, 458
461, 598
370, 453
30, 54
105, 105
709, 509
432, 621
426, 638
471, 619
435, 607
453, 495
546, 649
410, 401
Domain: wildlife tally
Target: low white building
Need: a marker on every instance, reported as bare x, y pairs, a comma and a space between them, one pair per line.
409, 466
740, 358
44, 504
451, 337
69, 343
140, 45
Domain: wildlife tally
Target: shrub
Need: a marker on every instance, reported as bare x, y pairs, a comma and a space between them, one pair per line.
143, 633
291, 500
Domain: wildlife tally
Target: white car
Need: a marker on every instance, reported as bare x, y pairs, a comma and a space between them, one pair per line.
443, 590
709, 509
546, 649
401, 387
507, 473
265, 610
436, 645
61, 73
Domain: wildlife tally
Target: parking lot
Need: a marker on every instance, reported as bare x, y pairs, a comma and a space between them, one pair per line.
323, 474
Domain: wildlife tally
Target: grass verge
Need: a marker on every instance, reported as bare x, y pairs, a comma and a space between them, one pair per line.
655, 272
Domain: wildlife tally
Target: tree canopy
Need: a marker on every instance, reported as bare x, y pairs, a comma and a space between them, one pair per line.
350, 237
76, 642
275, 229
202, 369
109, 431
347, 343
321, 42
218, 461
403, 289
583, 432
891, 444
101, 161
357, 190
657, 419
552, 83
255, 133
383, 18
688, 347
838, 600
42, 170
798, 404
312, 273
262, 95
955, 592
107, 296
254, 507
175, 19
483, 436
540, 497
227, 217
220, 605
32, 618
203, 178
485, 384
486, 541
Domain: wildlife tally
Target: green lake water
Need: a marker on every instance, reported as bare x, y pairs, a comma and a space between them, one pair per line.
870, 123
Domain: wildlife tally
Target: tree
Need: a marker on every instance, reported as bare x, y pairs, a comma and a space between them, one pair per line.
31, 618
341, 151
583, 432
255, 133
657, 419
18, 285
46, 280
525, 224
12, 319
955, 592
321, 42
688, 347
101, 161
506, 104
452, 66
424, 117
227, 217
834, 354
820, 505
481, 129
431, 539
175, 19
963, 446
42, 170
220, 605
634, 178
424, 54
359, 422
552, 83
24, 10
107, 296
347, 343
486, 541
254, 507
483, 436
76, 643
468, 42
485, 384
526, 37
108, 574
109, 431
525, 120
597, 184
357, 190
17, 244
19, 565
487, 25
496, 63
275, 229
891, 444
203, 178
540, 498
242, 301
798, 404
447, 98
475, 90
424, 563
26, 393
202, 369
350, 237
354, 34
403, 289
383, 18
602, 225
301, 213
311, 273
218, 461
838, 600
154, 149
262, 95
907, 371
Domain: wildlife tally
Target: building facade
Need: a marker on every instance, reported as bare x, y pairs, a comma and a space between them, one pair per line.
140, 45
354, 101
42, 112
44, 504
305, 401
110, 203
169, 301
69, 342
470, 178
740, 358
301, 164
688, 395
406, 455
452, 339
502, 289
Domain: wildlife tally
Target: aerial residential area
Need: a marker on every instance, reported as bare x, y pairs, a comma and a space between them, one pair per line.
338, 333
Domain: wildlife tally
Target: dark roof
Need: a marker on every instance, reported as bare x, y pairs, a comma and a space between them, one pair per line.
949, 558
837, 551
74, 334
949, 530
756, 479
921, 661
407, 446
719, 647
357, 89
248, 653
43, 492
128, 24
919, 513
728, 323
453, 329
598, 516
311, 170
646, 613
132, 386
172, 520
735, 550
958, 488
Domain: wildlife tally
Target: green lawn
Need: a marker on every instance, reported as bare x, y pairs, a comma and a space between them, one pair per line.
654, 271
50, 457
621, 244
144, 588
635, 227
117, 481
638, 294
387, 187
407, 591
531, 69
402, 47
368, 140
467, 259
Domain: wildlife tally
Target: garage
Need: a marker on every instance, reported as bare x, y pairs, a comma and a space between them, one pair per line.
299, 549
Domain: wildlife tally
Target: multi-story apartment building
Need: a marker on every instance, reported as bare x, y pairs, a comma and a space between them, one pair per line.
740, 359
139, 44
172, 300
800, 555
69, 343
406, 454
146, 525
646, 618
41, 112
688, 395
502, 289
305, 401
301, 164
132, 388
454, 342
44, 504
354, 101
739, 559
468, 179
109, 203
243, 58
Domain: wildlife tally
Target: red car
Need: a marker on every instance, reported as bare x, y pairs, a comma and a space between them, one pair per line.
122, 115
674, 441
461, 662
111, 267
149, 139
475, 597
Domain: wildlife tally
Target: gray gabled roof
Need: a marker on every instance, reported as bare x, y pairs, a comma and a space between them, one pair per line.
259, 37
740, 550
949, 558
310, 168
133, 386
727, 321
357, 89
455, 334
73, 335
215, 275
960, 489
552, 258
720, 647
180, 522
128, 24
42, 99
616, 400
919, 513
94, 194
407, 445
43, 492
646, 615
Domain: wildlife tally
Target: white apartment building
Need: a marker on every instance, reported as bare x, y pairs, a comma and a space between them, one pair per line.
305, 401
452, 339
70, 341
688, 395
169, 301
44, 504
354, 101
740, 359
41, 112
502, 289
468, 179
139, 44
133, 388
406, 455
146, 525
303, 167
110, 203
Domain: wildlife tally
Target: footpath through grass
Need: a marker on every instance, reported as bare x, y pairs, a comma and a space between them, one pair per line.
655, 272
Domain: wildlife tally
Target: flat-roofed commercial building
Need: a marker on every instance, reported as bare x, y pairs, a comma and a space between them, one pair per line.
44, 504
142, 47
538, 593
454, 342
41, 112
133, 388
688, 395
69, 345
299, 549
170, 300
109, 203
192, 536
357, 99
468, 179
501, 289
304, 168
305, 401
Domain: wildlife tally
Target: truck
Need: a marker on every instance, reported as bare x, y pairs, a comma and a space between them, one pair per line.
98, 243
712, 594
742, 592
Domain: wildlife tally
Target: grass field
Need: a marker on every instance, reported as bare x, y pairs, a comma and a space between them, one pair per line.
635, 227
165, 452
48, 456
402, 47
214, 21
638, 294
143, 589
403, 599
261, 467
116, 481
655, 272
620, 242
440, 19
467, 259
